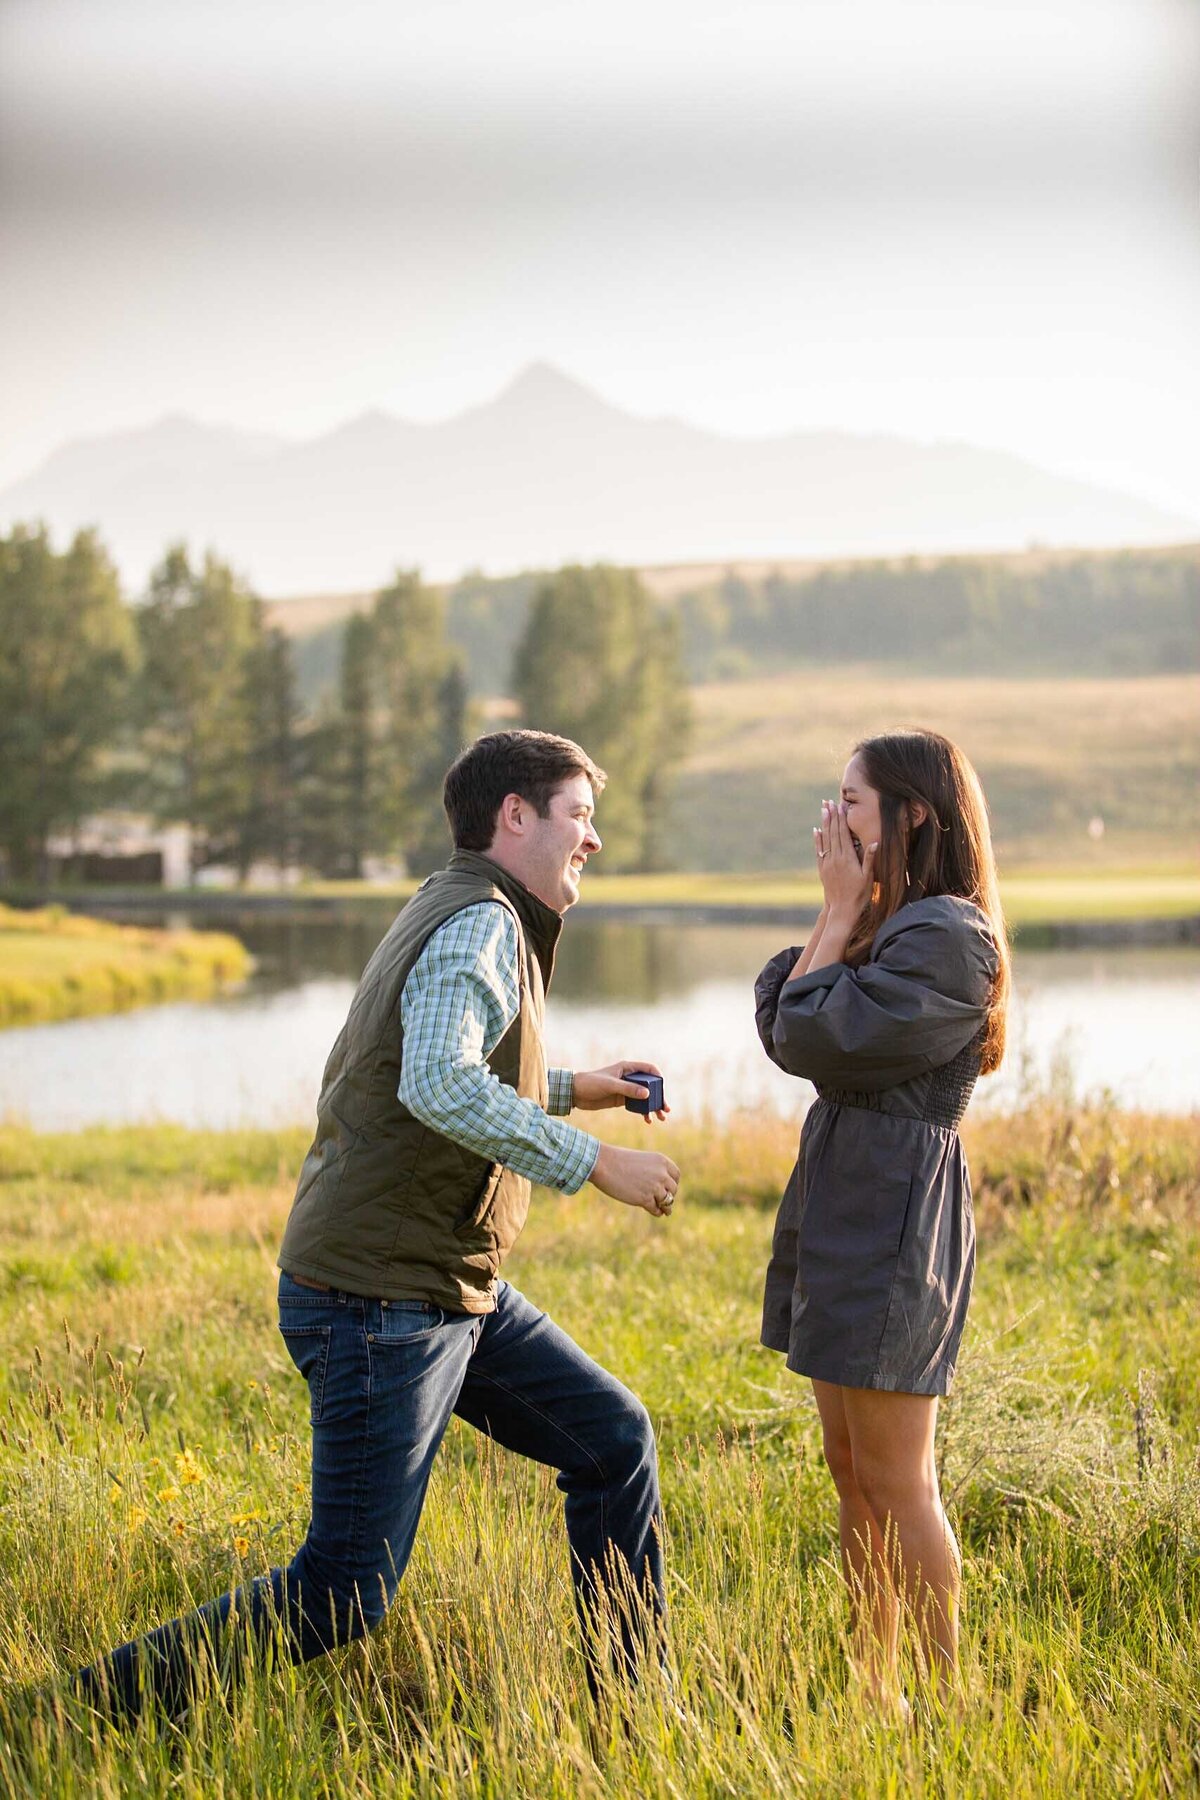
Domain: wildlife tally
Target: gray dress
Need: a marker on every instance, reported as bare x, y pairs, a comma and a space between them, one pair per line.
874, 1250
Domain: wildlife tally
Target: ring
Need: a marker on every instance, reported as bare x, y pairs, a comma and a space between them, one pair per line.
821, 855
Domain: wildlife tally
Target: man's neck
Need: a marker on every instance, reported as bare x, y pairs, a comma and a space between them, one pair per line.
494, 855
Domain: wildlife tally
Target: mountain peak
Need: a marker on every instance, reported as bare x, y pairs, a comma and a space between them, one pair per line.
548, 471
540, 385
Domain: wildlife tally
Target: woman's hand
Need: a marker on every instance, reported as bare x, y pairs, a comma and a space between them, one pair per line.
847, 883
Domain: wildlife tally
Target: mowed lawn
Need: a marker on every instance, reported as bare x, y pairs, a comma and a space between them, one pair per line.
153, 1448
56, 966
1053, 755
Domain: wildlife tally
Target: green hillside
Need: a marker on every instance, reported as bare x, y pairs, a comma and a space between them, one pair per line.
1053, 754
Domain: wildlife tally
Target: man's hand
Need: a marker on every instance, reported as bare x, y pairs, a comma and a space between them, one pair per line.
637, 1177
596, 1089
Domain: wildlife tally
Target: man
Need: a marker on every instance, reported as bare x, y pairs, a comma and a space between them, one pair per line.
436, 1112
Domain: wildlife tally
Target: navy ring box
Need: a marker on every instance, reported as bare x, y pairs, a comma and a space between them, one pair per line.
654, 1082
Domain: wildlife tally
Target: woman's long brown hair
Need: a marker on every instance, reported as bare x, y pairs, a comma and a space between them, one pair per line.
949, 852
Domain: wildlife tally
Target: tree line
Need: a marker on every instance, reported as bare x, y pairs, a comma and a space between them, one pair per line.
186, 706
1127, 612
1130, 612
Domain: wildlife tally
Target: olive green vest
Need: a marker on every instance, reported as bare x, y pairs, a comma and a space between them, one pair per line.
385, 1206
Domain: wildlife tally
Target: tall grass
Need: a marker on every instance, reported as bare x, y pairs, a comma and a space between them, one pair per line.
153, 1449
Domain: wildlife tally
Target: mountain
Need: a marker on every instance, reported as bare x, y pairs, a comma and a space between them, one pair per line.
545, 473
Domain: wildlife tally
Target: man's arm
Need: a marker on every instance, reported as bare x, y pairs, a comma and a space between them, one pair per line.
461, 996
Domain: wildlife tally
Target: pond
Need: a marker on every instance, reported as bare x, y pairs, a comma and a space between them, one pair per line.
1122, 1020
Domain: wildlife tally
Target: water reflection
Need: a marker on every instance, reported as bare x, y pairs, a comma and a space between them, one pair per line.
1126, 1020
607, 960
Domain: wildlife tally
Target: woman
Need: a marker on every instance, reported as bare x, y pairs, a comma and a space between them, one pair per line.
893, 1008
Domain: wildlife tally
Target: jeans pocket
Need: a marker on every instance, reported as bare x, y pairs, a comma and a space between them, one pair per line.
308, 1347
408, 1321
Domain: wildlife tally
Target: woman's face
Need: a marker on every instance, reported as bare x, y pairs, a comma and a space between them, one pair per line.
862, 807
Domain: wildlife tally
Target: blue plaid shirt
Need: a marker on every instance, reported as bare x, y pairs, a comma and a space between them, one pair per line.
461, 996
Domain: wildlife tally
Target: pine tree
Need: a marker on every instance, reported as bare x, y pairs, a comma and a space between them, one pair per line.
69, 650
200, 631
599, 663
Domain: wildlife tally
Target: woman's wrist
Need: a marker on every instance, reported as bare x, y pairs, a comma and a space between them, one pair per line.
831, 945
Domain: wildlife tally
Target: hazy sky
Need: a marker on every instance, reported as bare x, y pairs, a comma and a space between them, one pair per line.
941, 218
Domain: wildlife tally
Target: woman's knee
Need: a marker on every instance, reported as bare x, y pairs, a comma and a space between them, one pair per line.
839, 1459
890, 1486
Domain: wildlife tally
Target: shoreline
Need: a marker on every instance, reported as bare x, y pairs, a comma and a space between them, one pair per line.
1174, 923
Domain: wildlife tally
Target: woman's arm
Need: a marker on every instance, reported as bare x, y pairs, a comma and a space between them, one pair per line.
805, 962
918, 1000
830, 946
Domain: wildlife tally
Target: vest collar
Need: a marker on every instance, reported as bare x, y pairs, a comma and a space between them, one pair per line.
541, 923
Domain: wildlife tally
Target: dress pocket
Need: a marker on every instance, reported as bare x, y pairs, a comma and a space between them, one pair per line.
308, 1347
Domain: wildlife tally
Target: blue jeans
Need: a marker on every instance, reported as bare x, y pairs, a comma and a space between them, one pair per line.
384, 1378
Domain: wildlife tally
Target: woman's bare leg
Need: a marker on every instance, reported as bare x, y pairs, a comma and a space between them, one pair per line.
891, 1443
874, 1606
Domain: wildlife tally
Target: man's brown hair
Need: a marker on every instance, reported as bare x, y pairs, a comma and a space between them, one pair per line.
530, 763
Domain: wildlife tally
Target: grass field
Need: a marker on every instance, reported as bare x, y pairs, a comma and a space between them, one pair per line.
57, 966
1028, 899
1031, 898
153, 1449
1052, 754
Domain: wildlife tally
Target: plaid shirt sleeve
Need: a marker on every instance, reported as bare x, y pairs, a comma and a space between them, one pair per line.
461, 996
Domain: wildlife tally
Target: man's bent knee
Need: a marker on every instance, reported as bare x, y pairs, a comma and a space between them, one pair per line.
338, 1608
633, 1437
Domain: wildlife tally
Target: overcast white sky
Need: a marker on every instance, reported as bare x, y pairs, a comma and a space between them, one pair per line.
941, 218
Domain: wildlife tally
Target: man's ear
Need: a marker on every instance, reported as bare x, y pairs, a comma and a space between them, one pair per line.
513, 814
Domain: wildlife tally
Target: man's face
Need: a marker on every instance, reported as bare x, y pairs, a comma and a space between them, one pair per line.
559, 845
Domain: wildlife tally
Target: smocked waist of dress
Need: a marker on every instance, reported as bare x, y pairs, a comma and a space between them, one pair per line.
939, 1097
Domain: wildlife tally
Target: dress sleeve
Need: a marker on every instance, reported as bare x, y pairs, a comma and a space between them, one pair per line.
920, 999
766, 995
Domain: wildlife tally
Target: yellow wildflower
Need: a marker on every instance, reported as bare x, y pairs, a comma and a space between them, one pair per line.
135, 1518
169, 1493
178, 1527
242, 1545
188, 1468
